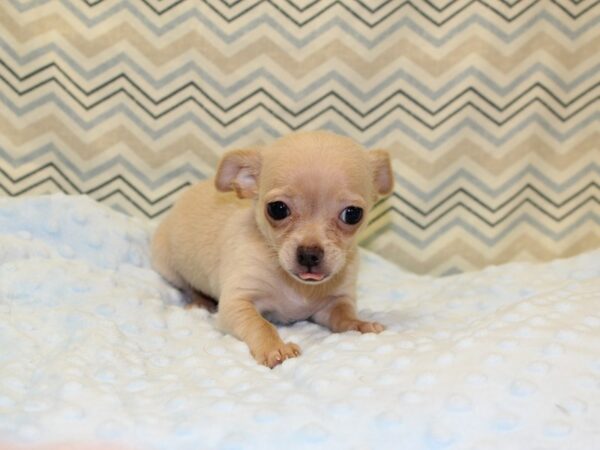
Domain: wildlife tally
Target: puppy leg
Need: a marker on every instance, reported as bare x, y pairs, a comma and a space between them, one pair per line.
241, 319
341, 316
194, 298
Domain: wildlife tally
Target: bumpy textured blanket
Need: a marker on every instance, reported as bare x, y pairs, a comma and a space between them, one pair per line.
95, 348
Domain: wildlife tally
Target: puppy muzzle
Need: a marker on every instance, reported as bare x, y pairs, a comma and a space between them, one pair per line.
309, 260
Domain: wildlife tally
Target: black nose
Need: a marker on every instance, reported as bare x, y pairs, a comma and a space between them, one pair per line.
309, 256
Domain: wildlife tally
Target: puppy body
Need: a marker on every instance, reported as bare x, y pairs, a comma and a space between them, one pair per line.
210, 241
226, 245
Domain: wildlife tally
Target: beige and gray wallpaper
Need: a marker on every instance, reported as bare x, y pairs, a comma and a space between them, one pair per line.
490, 108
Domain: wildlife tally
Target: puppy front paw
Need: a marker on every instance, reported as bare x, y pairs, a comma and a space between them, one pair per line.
276, 354
359, 325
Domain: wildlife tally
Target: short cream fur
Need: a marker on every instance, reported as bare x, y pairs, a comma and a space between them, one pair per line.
219, 239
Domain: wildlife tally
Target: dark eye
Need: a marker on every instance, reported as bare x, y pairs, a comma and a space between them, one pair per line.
278, 210
351, 215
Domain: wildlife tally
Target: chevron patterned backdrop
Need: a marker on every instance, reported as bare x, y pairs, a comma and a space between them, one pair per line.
490, 108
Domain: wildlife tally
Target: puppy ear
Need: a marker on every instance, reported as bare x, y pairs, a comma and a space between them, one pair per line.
381, 167
238, 171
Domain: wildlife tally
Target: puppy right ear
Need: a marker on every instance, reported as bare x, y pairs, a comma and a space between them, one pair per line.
238, 171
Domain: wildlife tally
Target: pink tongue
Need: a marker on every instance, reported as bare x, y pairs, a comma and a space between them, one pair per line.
311, 276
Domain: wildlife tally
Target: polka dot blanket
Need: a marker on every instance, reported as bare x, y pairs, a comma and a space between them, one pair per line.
97, 351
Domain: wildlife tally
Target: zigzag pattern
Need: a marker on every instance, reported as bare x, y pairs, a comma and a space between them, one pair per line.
491, 110
230, 12
532, 96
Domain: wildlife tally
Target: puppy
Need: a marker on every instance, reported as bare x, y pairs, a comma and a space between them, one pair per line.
273, 236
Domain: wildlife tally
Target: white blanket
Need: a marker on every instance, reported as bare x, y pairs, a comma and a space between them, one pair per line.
96, 348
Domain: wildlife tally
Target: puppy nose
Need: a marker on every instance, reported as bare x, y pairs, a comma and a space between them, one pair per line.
309, 256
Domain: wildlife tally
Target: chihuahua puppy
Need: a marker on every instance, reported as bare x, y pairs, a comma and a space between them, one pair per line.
273, 237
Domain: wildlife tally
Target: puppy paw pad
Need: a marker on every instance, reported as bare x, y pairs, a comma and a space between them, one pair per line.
279, 354
363, 327
370, 327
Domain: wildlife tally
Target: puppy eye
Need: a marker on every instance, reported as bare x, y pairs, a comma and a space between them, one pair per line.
278, 210
351, 215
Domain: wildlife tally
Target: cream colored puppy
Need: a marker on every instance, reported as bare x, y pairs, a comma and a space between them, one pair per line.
282, 245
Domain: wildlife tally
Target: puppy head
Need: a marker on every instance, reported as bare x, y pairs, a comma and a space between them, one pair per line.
312, 193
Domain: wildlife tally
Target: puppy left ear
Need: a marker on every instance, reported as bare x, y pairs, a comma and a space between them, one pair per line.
238, 171
381, 167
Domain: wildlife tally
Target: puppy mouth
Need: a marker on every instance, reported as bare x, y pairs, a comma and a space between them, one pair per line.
311, 277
